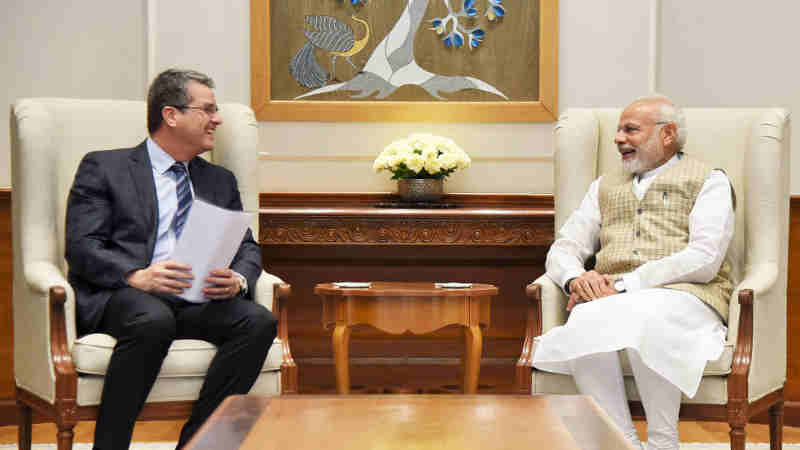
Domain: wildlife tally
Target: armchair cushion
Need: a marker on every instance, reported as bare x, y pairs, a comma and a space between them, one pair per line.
185, 358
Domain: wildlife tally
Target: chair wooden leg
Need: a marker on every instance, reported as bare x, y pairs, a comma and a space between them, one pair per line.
64, 436
776, 426
65, 422
24, 431
737, 436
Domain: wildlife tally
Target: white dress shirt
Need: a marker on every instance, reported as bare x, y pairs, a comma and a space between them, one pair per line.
166, 195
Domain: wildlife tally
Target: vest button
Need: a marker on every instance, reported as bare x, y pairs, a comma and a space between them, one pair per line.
638, 233
636, 252
639, 211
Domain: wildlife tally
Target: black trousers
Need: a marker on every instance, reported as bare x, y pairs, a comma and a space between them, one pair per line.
145, 325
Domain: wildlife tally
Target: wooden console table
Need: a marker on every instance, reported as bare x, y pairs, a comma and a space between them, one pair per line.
311, 238
397, 308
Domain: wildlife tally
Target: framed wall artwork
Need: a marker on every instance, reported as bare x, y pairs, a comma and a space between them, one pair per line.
404, 60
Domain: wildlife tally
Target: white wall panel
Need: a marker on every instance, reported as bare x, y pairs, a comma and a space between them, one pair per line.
88, 49
603, 52
722, 53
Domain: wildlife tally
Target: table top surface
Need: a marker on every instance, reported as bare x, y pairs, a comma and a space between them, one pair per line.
404, 289
556, 422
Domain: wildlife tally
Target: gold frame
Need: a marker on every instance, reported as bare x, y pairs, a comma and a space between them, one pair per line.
544, 110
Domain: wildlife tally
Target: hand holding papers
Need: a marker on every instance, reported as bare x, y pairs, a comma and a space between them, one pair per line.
210, 239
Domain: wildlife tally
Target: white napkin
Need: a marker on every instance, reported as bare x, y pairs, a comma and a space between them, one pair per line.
352, 284
453, 285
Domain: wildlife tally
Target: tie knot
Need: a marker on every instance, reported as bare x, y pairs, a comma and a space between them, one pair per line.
178, 169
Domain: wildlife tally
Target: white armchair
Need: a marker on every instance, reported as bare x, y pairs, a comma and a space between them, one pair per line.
61, 377
752, 146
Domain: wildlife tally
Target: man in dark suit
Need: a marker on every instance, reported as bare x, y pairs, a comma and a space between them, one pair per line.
125, 211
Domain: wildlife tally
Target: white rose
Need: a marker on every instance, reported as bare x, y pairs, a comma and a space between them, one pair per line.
379, 164
464, 161
449, 161
433, 166
415, 162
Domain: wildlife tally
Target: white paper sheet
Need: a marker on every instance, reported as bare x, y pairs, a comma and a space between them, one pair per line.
210, 238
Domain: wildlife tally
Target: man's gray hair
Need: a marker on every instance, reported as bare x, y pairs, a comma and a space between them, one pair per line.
668, 112
169, 89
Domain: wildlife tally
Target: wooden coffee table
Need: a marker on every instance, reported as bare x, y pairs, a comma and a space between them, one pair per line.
397, 308
442, 422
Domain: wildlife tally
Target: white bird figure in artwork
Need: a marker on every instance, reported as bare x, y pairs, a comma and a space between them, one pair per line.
331, 34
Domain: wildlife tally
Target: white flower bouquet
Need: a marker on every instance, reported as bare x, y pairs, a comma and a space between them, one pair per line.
422, 155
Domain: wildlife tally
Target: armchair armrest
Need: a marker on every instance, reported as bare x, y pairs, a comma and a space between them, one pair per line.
760, 278
45, 304
547, 308
274, 294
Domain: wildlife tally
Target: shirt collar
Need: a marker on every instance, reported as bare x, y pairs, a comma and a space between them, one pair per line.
159, 159
653, 172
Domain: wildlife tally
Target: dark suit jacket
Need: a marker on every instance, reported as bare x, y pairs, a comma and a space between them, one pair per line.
111, 225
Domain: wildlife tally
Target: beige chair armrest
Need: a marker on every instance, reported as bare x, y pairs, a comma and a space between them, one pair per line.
546, 309
554, 304
273, 293
265, 289
42, 276
34, 367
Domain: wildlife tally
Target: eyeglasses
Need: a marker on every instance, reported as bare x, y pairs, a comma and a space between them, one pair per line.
210, 109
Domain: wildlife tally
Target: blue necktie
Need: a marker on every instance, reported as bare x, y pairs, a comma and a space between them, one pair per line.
184, 194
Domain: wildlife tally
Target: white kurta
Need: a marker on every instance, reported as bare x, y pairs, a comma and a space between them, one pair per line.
674, 332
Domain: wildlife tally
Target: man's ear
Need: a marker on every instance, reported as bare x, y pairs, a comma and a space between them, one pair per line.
169, 115
670, 134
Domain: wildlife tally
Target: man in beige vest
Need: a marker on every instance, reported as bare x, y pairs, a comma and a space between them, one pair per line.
659, 228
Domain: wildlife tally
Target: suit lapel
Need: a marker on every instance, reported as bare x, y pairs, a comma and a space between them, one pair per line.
142, 174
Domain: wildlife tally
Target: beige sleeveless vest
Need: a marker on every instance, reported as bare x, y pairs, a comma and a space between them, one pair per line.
634, 232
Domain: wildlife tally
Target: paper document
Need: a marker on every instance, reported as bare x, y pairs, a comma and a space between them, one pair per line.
210, 239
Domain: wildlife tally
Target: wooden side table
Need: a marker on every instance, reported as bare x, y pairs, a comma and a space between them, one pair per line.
397, 308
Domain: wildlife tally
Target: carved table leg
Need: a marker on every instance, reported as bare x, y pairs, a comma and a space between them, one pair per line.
473, 343
341, 354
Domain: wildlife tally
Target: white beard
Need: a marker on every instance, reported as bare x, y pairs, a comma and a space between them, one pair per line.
632, 166
641, 162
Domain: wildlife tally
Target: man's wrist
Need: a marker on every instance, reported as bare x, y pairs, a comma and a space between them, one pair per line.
242, 282
566, 285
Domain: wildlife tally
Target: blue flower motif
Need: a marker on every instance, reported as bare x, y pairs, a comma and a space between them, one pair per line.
438, 25
475, 38
454, 39
495, 10
469, 4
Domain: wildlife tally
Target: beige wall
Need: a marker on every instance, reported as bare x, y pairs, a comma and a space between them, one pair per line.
606, 58
88, 48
